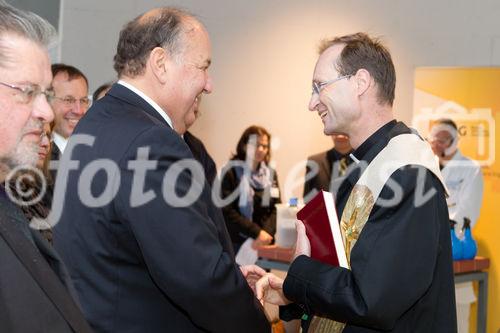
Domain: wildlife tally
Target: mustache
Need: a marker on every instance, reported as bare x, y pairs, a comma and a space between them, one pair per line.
32, 126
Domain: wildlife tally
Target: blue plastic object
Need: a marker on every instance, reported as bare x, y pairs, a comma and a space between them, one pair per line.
456, 244
469, 245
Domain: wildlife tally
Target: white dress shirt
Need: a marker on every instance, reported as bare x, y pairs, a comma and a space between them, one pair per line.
59, 141
464, 181
145, 97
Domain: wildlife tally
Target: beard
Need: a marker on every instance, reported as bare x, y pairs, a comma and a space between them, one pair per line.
24, 152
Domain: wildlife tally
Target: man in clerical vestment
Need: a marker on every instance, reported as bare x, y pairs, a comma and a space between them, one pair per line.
392, 209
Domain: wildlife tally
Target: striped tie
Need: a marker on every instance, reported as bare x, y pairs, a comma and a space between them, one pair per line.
342, 166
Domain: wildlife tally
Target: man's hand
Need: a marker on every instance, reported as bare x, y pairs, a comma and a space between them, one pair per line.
264, 238
252, 274
303, 246
270, 290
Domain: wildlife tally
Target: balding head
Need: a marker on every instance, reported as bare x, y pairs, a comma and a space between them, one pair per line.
165, 53
161, 27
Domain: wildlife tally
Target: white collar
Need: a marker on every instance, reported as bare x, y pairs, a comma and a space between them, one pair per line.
60, 141
158, 109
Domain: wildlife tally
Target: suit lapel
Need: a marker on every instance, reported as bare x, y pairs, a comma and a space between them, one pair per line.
52, 258
25, 248
15, 215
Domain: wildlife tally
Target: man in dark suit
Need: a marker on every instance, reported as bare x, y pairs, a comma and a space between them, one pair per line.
198, 149
35, 289
70, 102
146, 253
326, 170
201, 154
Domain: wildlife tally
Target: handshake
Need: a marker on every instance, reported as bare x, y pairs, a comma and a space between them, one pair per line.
267, 287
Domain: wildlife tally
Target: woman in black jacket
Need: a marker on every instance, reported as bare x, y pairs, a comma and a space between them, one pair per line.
251, 187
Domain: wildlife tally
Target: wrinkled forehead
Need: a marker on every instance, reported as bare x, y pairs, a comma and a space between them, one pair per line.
326, 64
62, 81
25, 61
195, 36
8, 45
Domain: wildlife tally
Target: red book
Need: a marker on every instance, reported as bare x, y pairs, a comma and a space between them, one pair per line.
323, 230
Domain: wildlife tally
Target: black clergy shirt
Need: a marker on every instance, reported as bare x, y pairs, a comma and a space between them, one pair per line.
401, 277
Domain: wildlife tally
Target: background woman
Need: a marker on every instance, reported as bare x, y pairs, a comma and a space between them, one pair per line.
33, 190
253, 185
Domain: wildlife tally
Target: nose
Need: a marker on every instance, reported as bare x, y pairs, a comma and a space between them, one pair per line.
78, 108
314, 102
208, 85
42, 110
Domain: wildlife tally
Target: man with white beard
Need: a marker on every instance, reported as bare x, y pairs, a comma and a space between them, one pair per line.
34, 286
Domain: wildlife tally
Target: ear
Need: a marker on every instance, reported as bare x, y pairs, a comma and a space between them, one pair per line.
363, 80
158, 63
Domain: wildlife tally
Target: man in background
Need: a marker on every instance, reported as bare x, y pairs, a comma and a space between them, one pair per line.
35, 287
464, 181
326, 170
70, 103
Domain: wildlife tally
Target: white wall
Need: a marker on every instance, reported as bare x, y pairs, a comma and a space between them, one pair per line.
264, 52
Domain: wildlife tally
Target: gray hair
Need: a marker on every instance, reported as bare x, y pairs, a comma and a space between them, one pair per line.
161, 27
23, 24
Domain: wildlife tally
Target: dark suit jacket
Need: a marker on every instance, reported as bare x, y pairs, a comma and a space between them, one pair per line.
153, 267
328, 177
264, 215
401, 276
322, 180
201, 154
34, 285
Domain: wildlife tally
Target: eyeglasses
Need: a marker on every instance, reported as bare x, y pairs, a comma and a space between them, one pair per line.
318, 86
70, 101
28, 93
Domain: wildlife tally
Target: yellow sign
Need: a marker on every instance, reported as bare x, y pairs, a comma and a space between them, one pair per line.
476, 128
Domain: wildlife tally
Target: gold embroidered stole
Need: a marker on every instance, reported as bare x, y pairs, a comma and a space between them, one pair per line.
404, 149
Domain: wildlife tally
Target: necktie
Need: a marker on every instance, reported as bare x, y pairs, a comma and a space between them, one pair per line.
342, 166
